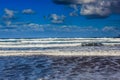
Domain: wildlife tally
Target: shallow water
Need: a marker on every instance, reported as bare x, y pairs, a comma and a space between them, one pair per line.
59, 68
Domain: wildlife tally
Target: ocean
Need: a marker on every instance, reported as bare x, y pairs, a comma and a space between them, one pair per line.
60, 59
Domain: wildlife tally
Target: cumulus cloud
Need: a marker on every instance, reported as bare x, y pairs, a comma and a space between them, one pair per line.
94, 8
28, 11
75, 11
57, 19
8, 14
94, 11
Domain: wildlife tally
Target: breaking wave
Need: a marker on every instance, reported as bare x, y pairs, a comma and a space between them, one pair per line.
57, 42
46, 67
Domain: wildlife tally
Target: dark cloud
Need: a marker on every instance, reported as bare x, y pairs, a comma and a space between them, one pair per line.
72, 1
62, 1
115, 6
94, 8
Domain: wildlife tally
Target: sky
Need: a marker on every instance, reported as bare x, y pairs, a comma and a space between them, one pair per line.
59, 18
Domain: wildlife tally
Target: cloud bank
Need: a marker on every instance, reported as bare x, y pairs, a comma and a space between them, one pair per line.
94, 8
111, 29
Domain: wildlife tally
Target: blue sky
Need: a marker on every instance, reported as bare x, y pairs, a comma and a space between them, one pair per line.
56, 18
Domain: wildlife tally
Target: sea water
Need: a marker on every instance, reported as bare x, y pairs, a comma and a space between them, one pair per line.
50, 67
56, 43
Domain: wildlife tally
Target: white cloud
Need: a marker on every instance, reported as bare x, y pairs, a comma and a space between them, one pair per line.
111, 29
9, 12
48, 27
75, 11
28, 11
98, 8
32, 27
108, 28
87, 1
56, 18
95, 10
8, 16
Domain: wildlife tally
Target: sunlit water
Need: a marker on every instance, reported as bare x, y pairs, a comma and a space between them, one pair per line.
43, 67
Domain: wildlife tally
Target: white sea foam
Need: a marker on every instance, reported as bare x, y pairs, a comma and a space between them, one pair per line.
61, 46
56, 41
